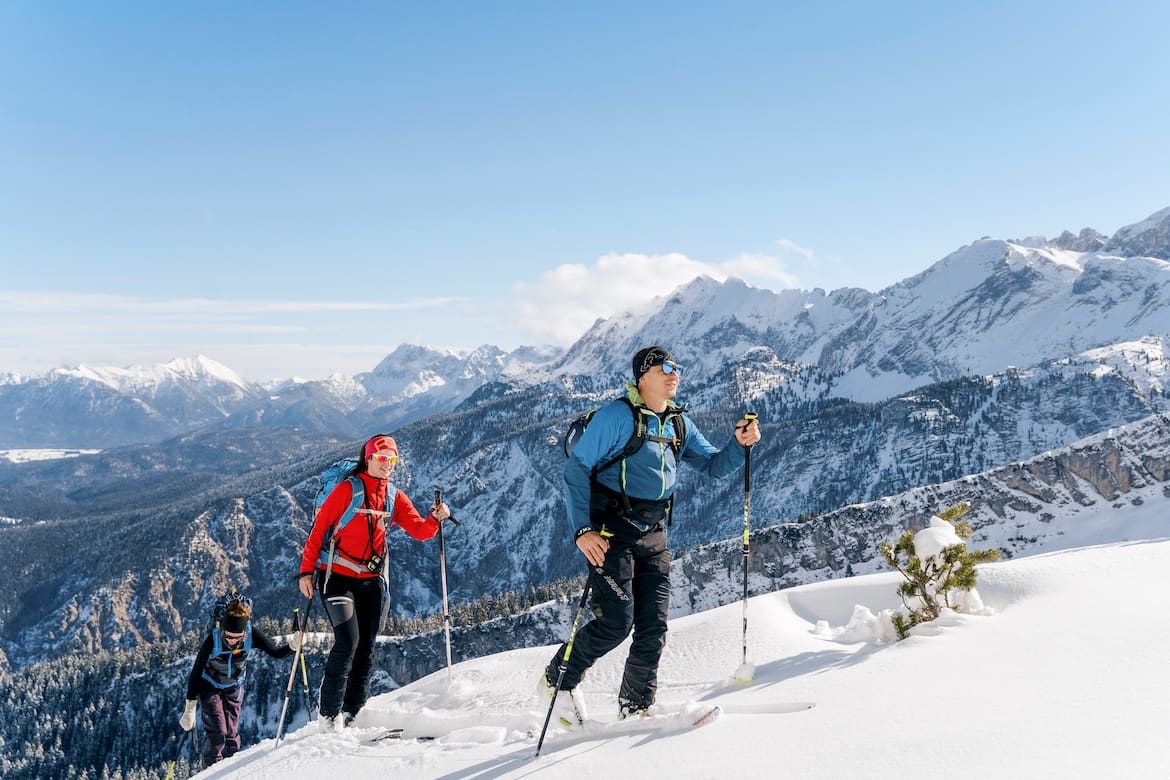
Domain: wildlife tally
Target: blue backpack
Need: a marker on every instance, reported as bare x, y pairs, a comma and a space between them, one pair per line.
331, 478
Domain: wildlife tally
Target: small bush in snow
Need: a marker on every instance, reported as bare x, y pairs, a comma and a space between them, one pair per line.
934, 561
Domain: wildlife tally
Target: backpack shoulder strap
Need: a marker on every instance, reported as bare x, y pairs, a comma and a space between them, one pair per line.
633, 444
355, 503
327, 557
680, 434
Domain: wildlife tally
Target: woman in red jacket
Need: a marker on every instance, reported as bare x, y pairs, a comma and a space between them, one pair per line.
345, 559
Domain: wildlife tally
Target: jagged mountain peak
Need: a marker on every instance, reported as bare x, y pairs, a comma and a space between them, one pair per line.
411, 357
708, 323
971, 266
1088, 240
202, 367
1148, 238
963, 269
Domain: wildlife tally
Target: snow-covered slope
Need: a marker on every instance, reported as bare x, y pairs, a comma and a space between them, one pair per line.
1004, 694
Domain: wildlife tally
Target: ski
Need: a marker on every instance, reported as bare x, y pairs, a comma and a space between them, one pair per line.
686, 717
387, 734
394, 734
676, 718
775, 708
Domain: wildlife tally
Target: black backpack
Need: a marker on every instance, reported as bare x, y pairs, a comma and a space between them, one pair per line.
577, 429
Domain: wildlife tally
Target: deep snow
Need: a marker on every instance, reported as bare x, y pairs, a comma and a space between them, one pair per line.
1066, 677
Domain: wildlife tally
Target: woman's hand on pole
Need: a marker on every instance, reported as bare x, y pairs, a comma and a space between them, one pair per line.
305, 583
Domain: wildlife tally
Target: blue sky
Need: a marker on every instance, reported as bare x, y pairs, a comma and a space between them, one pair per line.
296, 188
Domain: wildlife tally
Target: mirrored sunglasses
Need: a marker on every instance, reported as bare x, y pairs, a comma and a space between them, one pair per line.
671, 368
381, 457
229, 636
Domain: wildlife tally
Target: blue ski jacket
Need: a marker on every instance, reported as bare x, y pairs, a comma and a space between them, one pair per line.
650, 473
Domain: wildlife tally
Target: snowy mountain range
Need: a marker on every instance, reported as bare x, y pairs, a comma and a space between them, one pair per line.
962, 316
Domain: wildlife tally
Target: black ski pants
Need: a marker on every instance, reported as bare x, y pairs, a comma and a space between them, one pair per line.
354, 606
630, 591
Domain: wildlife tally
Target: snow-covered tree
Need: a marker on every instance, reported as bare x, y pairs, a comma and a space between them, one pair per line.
935, 562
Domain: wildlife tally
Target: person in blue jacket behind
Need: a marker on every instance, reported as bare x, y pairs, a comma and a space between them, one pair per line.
216, 681
619, 515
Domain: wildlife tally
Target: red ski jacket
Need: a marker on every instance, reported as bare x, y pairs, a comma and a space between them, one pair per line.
364, 535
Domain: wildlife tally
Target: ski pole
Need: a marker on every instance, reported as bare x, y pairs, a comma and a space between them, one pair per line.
178, 752
746, 671
292, 676
564, 664
304, 670
443, 578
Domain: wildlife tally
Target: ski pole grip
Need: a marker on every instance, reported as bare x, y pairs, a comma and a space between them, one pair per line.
439, 500
748, 417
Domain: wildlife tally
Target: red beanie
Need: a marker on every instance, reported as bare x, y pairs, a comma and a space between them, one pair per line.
381, 444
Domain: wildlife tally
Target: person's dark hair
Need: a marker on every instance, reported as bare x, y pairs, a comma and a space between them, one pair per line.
236, 617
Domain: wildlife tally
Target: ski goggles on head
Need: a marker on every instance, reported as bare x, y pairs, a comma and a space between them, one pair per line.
383, 457
670, 367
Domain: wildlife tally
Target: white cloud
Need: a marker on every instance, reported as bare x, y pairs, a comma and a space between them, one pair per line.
758, 267
791, 247
814, 270
565, 301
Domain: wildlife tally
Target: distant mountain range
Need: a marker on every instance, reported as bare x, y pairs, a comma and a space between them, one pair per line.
988, 306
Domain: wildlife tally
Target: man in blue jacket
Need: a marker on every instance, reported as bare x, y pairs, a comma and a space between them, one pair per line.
618, 509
